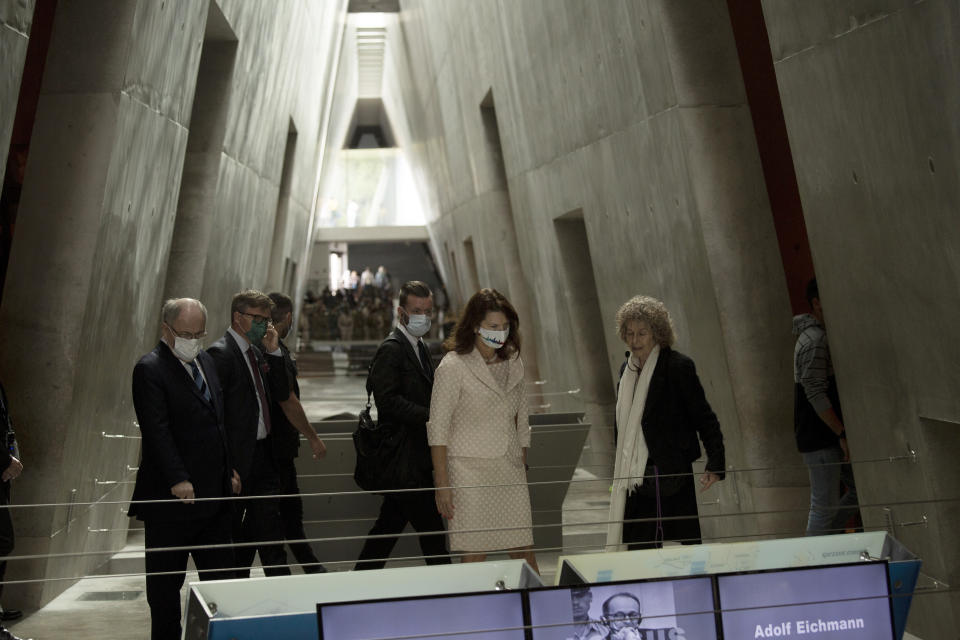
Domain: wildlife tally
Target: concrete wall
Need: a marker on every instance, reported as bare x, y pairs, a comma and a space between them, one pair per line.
100, 200
624, 133
871, 101
16, 17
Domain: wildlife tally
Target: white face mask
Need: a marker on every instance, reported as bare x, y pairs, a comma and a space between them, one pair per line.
418, 325
493, 339
186, 348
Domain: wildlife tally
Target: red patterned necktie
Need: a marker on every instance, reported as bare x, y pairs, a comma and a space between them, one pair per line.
264, 407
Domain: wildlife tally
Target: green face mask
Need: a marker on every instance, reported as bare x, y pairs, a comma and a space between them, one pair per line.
258, 329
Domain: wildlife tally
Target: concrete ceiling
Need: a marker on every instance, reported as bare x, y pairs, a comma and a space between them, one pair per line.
374, 6
371, 46
358, 235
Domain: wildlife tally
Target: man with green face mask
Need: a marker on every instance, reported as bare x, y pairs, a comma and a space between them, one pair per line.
250, 366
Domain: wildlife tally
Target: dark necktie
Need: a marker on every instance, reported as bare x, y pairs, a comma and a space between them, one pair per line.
199, 381
264, 407
425, 359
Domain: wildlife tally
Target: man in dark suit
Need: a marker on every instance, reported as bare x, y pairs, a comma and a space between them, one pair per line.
12, 468
401, 378
289, 421
250, 378
184, 454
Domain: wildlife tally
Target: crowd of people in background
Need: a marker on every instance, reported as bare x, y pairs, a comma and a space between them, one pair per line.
361, 309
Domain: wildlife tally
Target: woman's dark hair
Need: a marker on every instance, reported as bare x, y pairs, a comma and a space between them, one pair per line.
464, 336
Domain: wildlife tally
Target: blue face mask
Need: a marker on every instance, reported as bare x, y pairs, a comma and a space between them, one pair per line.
418, 324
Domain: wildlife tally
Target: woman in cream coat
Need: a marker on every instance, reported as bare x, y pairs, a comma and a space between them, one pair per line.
479, 434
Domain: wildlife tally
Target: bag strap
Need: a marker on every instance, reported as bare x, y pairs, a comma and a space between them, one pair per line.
389, 338
367, 384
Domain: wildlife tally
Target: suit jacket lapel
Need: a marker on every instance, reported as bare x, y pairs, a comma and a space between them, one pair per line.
412, 354
477, 366
516, 372
244, 364
206, 363
657, 384
429, 363
181, 374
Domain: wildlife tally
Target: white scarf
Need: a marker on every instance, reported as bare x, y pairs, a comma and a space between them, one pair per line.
632, 450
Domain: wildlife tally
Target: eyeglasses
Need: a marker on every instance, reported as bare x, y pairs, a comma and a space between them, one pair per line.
257, 319
186, 335
621, 616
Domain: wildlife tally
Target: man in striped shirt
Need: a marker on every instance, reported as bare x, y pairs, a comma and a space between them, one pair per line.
818, 423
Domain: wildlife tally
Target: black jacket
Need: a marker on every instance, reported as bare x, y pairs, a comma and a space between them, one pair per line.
285, 437
240, 410
809, 429
675, 413
402, 389
6, 431
183, 438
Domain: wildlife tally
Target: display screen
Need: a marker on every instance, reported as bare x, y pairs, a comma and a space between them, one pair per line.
493, 616
675, 609
849, 602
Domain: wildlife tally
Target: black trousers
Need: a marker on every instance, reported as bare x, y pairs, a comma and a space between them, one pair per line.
6, 530
258, 519
291, 512
679, 520
163, 591
420, 510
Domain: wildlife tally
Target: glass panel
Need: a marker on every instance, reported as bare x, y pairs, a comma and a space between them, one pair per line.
371, 188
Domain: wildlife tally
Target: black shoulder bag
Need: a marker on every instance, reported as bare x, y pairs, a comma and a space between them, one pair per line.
381, 463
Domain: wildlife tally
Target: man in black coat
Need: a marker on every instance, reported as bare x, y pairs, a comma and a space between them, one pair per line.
184, 457
289, 422
401, 378
250, 379
12, 468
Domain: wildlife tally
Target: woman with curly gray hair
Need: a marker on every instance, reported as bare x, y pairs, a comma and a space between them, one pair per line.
661, 411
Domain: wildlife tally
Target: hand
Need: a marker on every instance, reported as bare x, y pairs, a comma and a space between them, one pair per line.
444, 499
235, 483
626, 633
14, 469
184, 491
707, 480
846, 449
271, 341
319, 449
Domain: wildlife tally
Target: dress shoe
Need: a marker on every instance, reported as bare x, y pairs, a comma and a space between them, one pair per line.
6, 635
10, 614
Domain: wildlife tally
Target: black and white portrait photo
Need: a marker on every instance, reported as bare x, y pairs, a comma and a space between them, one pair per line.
656, 610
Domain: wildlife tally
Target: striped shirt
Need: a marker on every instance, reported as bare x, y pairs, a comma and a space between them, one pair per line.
812, 367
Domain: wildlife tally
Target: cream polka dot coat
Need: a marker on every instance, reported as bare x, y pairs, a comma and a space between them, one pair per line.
479, 412
472, 413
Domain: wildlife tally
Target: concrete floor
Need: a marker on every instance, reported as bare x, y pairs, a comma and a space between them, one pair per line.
116, 608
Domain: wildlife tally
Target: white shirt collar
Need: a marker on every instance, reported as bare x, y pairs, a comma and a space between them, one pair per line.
242, 342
